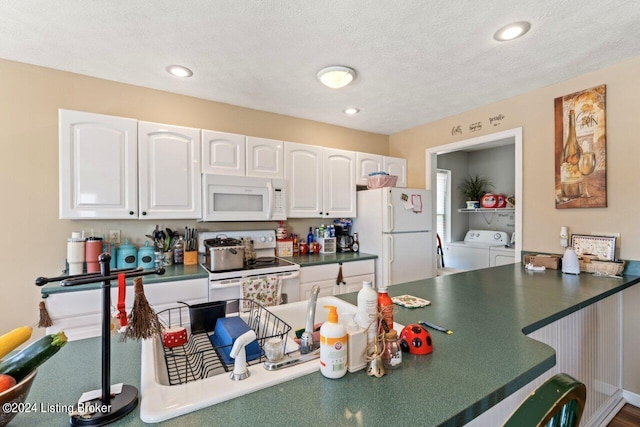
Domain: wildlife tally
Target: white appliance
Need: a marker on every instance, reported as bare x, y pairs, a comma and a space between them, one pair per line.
499, 255
473, 252
226, 285
240, 198
398, 231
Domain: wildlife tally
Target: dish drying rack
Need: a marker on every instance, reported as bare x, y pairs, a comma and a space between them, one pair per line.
199, 358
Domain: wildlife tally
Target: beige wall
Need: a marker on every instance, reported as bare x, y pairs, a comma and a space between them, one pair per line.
534, 112
34, 239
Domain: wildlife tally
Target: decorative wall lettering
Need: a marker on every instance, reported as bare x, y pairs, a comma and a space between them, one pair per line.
456, 130
475, 127
496, 120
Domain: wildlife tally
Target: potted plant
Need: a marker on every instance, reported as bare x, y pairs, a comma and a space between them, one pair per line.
473, 188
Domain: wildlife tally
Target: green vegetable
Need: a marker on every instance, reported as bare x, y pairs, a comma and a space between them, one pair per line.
29, 358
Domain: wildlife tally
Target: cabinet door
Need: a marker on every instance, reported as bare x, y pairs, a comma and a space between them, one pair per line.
223, 153
397, 166
265, 157
367, 163
98, 166
303, 170
339, 180
169, 171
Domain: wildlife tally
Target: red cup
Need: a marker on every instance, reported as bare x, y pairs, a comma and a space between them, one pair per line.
174, 337
304, 249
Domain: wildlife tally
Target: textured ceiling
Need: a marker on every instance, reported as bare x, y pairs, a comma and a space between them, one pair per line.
417, 61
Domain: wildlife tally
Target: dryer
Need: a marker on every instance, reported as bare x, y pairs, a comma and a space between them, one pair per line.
473, 252
501, 256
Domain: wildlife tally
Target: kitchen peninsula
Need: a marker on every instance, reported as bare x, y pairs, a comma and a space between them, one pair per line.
488, 358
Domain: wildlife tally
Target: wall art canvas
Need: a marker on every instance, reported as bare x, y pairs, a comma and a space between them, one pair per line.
581, 149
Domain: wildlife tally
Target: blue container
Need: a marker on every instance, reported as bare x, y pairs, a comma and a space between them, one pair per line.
227, 330
146, 257
127, 255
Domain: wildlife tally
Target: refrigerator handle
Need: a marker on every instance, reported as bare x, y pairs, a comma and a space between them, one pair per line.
390, 217
391, 259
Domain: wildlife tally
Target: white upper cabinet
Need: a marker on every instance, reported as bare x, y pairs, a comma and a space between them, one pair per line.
367, 163
98, 166
223, 153
396, 166
265, 157
321, 181
169, 171
303, 171
339, 177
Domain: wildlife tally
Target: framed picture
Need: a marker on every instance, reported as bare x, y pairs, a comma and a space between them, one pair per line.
602, 247
580, 149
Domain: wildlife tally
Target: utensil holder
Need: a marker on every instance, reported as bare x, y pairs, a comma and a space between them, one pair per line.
190, 257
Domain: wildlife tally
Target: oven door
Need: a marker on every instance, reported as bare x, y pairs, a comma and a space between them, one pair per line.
231, 289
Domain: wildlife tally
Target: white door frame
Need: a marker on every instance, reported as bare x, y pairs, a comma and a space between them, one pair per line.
431, 155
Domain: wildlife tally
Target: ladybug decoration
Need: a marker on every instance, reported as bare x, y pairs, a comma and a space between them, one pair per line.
489, 201
414, 339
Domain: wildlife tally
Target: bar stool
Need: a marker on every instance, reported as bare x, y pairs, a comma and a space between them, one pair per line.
558, 402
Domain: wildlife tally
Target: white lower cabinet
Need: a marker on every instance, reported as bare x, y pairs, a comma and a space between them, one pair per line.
325, 276
79, 314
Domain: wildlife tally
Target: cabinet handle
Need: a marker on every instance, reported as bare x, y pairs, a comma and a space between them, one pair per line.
321, 213
131, 212
144, 213
327, 213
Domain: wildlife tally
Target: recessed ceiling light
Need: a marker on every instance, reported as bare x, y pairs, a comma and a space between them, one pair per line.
512, 31
179, 71
336, 76
351, 111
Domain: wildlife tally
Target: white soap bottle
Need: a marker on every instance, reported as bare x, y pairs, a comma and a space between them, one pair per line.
333, 346
368, 310
357, 345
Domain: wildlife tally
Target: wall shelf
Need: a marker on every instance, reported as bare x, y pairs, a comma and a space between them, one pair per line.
487, 210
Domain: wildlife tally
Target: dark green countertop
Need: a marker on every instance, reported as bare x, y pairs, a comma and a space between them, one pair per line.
319, 259
486, 359
172, 273
186, 272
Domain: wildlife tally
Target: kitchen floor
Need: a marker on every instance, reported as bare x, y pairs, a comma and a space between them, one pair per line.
629, 416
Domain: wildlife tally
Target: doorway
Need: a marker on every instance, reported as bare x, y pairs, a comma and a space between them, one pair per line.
494, 140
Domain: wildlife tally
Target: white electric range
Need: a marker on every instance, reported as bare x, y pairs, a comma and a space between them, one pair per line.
479, 249
227, 285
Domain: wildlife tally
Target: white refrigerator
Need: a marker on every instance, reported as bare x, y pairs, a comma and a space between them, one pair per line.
396, 225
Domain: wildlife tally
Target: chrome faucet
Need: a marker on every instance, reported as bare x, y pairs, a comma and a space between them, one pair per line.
306, 340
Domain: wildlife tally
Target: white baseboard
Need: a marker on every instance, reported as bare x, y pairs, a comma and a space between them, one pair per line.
631, 398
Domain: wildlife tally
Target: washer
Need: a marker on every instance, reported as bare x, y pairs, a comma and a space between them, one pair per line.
473, 252
501, 256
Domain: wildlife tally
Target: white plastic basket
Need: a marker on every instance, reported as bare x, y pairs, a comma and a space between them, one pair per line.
379, 181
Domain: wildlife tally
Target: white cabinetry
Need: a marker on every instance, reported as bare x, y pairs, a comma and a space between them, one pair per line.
326, 275
321, 181
79, 313
116, 168
396, 166
265, 157
366, 164
169, 171
223, 153
98, 166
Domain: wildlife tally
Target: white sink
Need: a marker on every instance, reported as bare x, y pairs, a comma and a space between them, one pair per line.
160, 401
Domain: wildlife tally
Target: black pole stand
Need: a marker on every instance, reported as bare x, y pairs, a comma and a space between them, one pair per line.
107, 408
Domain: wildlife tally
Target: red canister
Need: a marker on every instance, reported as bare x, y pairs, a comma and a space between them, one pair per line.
93, 249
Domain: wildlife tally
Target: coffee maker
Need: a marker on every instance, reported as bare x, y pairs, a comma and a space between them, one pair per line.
344, 238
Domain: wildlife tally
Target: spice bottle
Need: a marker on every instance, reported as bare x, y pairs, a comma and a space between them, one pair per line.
392, 354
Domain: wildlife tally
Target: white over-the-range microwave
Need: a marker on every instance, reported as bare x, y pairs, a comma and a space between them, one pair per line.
240, 198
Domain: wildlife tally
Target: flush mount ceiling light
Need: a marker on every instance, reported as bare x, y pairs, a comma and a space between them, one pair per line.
512, 31
179, 71
336, 76
351, 111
